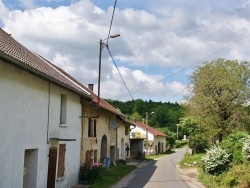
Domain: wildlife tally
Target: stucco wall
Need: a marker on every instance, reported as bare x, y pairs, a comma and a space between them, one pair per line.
122, 141
103, 128
29, 108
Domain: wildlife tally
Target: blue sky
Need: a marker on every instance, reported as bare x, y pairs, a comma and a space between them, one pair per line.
161, 41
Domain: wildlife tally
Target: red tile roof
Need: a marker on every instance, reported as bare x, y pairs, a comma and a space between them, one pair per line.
151, 130
16, 53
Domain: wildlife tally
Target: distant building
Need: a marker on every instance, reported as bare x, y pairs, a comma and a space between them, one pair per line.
145, 138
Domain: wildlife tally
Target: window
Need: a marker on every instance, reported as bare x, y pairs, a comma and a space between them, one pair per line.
61, 161
63, 109
126, 130
91, 156
92, 128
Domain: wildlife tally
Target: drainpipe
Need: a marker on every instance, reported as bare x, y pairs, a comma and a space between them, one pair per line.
82, 127
48, 116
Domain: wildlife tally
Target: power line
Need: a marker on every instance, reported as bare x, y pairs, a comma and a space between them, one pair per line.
119, 72
111, 22
201, 60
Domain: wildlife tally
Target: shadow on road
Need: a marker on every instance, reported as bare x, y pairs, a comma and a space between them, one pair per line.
144, 172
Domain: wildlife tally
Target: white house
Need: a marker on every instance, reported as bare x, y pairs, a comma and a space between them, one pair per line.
40, 120
154, 141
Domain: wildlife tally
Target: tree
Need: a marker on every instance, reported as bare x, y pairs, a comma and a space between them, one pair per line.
135, 117
219, 92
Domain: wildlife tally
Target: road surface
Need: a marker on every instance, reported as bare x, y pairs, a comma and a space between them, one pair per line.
161, 173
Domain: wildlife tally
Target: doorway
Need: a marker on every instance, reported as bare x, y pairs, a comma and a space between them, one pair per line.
30, 168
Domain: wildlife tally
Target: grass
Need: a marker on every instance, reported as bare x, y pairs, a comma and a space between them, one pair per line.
236, 176
113, 175
153, 157
190, 159
181, 143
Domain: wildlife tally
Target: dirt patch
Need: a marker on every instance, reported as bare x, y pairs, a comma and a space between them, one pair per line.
190, 175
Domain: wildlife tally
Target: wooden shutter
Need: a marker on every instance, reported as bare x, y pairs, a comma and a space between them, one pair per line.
61, 160
88, 157
51, 179
89, 128
95, 156
94, 128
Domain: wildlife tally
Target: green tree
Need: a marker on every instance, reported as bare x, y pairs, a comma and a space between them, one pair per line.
219, 91
135, 117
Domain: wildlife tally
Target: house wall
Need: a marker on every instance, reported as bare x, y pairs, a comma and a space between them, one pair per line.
102, 128
30, 108
162, 141
122, 141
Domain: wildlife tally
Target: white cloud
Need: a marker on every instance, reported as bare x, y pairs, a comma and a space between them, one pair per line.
167, 34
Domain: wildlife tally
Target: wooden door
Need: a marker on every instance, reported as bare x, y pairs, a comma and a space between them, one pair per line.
51, 179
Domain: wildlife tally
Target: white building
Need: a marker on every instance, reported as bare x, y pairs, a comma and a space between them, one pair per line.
154, 140
40, 120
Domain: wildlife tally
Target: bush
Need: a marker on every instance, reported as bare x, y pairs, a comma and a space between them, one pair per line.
91, 174
238, 176
233, 145
199, 143
246, 148
216, 160
181, 143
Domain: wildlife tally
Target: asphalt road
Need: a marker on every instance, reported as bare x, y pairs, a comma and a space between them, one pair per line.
161, 173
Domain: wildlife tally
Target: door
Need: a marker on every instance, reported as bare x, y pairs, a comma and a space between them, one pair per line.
51, 179
30, 168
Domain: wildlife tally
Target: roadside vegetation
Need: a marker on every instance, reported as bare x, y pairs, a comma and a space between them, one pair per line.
216, 118
97, 176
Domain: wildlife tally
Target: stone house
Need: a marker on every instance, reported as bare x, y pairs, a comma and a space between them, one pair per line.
146, 139
105, 132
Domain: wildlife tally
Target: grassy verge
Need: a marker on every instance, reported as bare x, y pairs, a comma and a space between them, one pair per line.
236, 176
153, 157
191, 160
113, 175
181, 143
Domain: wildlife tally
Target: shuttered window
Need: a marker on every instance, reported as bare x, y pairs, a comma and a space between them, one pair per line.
63, 112
126, 130
61, 161
92, 128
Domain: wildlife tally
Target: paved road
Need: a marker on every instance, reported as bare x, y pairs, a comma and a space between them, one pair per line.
161, 173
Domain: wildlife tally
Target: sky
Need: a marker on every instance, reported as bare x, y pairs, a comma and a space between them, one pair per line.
161, 42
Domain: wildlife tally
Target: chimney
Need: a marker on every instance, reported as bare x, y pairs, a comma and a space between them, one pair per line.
91, 87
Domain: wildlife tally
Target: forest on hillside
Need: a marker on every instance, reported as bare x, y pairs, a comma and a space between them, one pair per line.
160, 114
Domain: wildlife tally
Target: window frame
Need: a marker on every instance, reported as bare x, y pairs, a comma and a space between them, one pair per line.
91, 128
63, 109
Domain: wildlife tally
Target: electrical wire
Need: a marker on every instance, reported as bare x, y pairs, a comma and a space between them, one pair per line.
201, 60
111, 22
119, 72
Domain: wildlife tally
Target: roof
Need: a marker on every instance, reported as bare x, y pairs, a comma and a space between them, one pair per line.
151, 130
16, 53
19, 55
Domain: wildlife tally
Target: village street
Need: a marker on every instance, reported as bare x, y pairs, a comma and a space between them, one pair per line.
160, 173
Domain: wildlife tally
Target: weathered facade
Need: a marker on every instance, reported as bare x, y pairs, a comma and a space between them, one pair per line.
105, 133
40, 120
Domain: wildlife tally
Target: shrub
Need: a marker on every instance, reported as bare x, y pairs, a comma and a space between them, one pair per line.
233, 145
246, 148
216, 160
238, 176
91, 173
198, 142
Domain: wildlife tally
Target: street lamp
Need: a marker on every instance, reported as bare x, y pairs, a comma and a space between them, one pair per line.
100, 63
